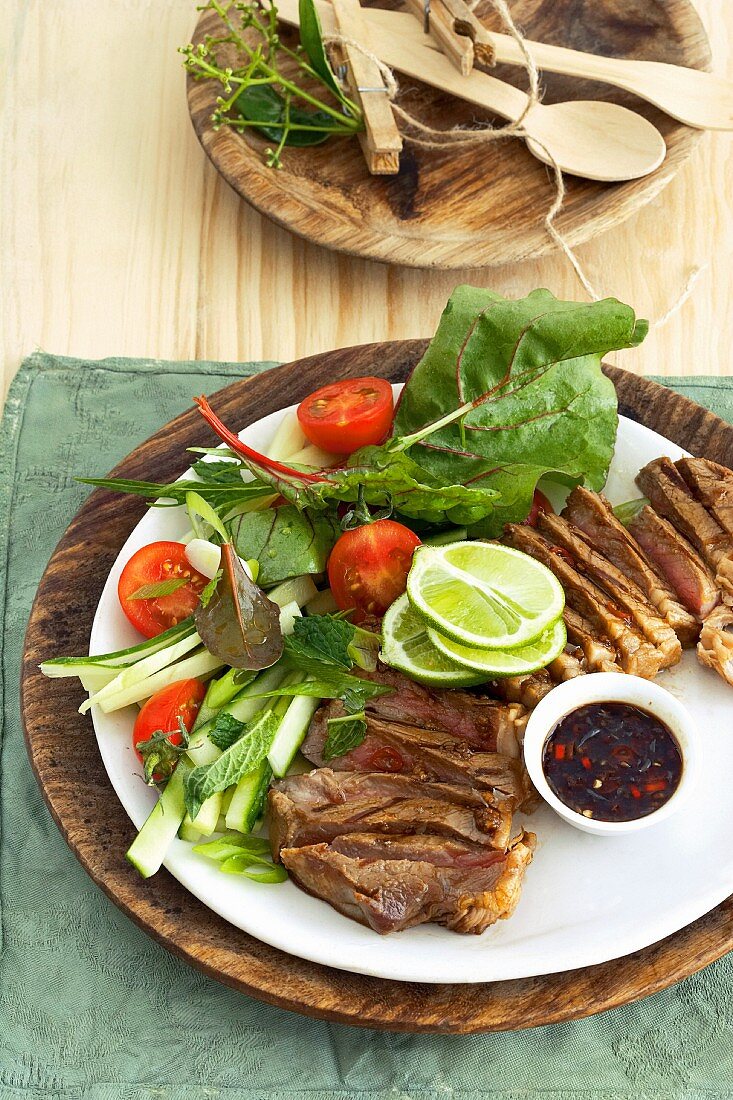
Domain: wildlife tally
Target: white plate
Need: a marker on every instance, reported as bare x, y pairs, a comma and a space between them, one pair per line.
586, 899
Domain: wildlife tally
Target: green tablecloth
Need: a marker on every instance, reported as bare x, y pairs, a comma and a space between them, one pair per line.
92, 1008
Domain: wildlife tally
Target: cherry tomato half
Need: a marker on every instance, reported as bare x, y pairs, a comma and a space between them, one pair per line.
540, 503
345, 416
368, 567
160, 561
161, 712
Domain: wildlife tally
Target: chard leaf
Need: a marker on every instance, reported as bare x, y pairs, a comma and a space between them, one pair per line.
226, 730
285, 541
508, 391
238, 760
344, 734
159, 588
239, 624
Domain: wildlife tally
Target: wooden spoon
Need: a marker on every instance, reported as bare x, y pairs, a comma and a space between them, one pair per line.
596, 140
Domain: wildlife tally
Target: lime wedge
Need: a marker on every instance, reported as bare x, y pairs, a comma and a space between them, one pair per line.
484, 594
406, 646
494, 663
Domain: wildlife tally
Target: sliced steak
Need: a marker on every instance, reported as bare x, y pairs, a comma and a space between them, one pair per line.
713, 485
486, 724
430, 755
593, 516
635, 654
326, 787
293, 825
673, 555
599, 654
624, 592
672, 498
715, 648
392, 883
567, 665
527, 690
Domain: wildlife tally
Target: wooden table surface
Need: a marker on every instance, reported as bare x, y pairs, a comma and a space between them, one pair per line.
120, 239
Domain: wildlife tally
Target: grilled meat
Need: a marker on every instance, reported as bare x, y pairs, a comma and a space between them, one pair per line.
430, 755
484, 723
672, 498
713, 485
293, 825
567, 665
624, 592
527, 690
715, 648
326, 787
392, 883
598, 653
635, 654
593, 516
685, 570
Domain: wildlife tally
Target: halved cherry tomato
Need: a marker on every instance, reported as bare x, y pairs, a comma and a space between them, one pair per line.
368, 567
161, 712
347, 415
160, 561
540, 503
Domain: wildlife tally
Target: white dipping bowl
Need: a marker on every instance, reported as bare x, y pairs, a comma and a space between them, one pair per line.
611, 687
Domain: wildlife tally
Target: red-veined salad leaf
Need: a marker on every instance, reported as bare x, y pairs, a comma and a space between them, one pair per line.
285, 541
239, 624
510, 390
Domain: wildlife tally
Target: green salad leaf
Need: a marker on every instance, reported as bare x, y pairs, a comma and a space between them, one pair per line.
238, 623
325, 638
226, 730
285, 541
260, 103
508, 391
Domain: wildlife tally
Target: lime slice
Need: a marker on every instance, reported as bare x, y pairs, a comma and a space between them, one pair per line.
507, 662
406, 646
484, 594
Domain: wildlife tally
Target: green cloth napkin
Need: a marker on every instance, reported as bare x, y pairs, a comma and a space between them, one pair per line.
91, 1009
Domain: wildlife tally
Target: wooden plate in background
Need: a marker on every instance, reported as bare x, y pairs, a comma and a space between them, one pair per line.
99, 832
474, 206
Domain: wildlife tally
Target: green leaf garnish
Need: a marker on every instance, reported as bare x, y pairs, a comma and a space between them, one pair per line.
238, 760
344, 734
226, 730
159, 588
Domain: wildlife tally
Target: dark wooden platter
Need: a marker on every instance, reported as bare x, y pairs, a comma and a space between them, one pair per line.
466, 207
98, 830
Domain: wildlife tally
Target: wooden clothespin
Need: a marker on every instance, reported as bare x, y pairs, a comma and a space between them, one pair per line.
438, 21
465, 23
381, 142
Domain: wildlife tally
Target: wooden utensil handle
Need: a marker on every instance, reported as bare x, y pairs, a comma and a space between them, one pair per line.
457, 47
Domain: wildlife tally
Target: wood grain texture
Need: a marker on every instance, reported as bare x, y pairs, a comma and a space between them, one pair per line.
98, 830
119, 238
465, 205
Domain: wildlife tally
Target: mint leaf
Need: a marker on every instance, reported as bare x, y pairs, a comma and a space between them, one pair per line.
344, 734
226, 730
238, 760
331, 684
159, 588
322, 638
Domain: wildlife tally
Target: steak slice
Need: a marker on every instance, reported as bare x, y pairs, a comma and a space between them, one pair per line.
429, 755
392, 883
670, 495
487, 724
599, 654
715, 648
527, 690
593, 516
326, 787
686, 572
713, 485
624, 592
293, 825
635, 654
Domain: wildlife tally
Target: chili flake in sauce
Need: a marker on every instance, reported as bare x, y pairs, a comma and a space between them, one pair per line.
612, 761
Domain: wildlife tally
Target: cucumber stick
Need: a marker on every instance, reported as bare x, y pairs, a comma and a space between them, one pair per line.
291, 732
144, 669
207, 817
188, 831
70, 666
148, 849
220, 692
199, 665
248, 799
243, 707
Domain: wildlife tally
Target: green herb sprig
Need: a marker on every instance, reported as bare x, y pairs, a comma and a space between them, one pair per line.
269, 87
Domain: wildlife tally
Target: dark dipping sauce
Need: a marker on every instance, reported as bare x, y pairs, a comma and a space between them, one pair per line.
612, 761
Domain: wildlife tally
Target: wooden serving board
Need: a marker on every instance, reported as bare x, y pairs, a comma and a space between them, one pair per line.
99, 832
474, 206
